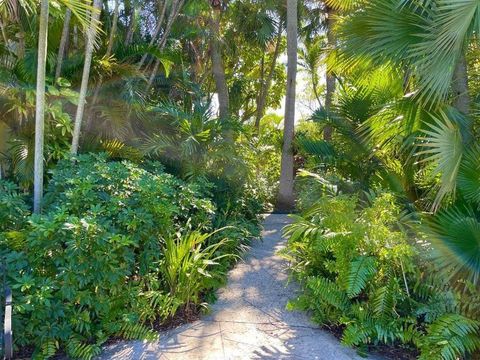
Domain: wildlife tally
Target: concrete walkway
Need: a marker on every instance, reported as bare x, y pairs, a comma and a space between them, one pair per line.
249, 320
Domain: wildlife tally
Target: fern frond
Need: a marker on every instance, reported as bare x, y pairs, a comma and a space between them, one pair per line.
328, 292
361, 270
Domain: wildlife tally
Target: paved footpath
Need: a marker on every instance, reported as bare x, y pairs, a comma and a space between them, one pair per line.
249, 320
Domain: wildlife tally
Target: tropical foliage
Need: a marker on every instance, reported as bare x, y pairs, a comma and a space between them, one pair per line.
138, 146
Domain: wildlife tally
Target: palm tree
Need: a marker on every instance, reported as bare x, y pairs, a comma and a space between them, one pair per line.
91, 34
63, 43
40, 108
218, 67
329, 77
285, 200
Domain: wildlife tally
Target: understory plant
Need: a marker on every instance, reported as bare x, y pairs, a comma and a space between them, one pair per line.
118, 250
365, 271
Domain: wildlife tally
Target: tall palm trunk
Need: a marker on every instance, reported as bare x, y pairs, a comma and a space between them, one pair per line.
21, 32
155, 33
108, 52
175, 10
40, 108
131, 26
218, 68
330, 79
460, 92
285, 200
113, 31
91, 34
63, 43
265, 88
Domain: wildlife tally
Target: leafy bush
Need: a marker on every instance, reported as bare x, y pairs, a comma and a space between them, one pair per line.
99, 262
361, 273
13, 209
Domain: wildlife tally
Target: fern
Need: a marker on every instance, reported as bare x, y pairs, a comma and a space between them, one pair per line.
450, 337
47, 350
361, 270
136, 331
328, 292
78, 349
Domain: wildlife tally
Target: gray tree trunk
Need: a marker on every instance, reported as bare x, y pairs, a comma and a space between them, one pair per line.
21, 32
155, 33
330, 79
461, 96
131, 27
75, 37
460, 86
176, 7
91, 34
262, 99
113, 31
285, 200
40, 108
218, 68
63, 43
98, 87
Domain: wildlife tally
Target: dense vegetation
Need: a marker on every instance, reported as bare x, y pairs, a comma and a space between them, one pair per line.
138, 147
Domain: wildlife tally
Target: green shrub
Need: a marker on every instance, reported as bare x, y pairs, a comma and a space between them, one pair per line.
91, 266
361, 273
13, 209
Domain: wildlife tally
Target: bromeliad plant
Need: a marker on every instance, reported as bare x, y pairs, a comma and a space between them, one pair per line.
362, 274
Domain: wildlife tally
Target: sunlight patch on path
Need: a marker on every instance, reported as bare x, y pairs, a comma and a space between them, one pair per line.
249, 320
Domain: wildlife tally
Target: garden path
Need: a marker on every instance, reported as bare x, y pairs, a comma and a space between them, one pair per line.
249, 319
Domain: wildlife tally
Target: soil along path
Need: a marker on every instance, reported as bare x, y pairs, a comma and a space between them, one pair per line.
249, 320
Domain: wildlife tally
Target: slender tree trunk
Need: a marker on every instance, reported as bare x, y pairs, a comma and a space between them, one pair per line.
91, 33
40, 108
21, 32
460, 86
4, 33
155, 33
98, 87
218, 68
176, 7
75, 37
461, 96
286, 201
131, 26
330, 79
262, 100
63, 43
113, 31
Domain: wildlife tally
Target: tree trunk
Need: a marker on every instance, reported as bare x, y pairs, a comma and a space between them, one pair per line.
63, 43
75, 37
40, 108
262, 100
218, 68
461, 96
131, 26
4, 33
21, 32
330, 79
460, 86
108, 52
285, 201
176, 7
113, 31
155, 33
91, 33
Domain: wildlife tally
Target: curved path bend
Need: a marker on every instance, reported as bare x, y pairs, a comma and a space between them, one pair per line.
249, 319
